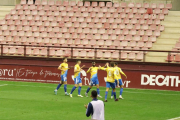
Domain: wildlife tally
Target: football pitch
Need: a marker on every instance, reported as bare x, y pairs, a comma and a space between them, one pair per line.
36, 101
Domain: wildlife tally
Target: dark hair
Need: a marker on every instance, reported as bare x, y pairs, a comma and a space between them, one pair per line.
93, 62
94, 94
112, 64
64, 58
116, 63
77, 61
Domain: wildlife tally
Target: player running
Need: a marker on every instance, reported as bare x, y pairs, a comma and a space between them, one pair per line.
64, 70
77, 78
118, 81
110, 80
94, 79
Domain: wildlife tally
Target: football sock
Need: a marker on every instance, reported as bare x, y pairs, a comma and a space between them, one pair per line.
106, 93
79, 90
59, 85
65, 88
73, 89
98, 92
121, 90
114, 95
88, 89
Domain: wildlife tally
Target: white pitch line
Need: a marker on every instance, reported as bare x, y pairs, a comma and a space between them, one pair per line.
178, 118
101, 90
3, 84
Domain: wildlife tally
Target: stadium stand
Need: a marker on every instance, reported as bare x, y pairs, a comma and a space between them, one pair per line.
97, 25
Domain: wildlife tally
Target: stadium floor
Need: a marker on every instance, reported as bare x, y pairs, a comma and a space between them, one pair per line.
36, 101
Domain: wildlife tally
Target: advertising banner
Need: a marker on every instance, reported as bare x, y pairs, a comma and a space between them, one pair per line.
135, 79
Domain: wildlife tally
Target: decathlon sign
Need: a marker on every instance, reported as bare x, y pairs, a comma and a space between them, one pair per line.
160, 80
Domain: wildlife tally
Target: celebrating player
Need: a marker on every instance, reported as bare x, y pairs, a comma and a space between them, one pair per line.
94, 79
64, 70
118, 81
110, 80
77, 78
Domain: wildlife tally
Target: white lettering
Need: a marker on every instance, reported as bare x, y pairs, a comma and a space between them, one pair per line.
154, 80
127, 82
166, 81
172, 80
157, 80
143, 80
177, 81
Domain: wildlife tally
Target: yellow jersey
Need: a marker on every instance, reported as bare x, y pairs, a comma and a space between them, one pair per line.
64, 66
77, 74
111, 74
93, 71
118, 72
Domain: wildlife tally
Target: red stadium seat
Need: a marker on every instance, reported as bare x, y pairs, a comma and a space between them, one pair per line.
138, 5
101, 4
132, 32
107, 55
177, 58
131, 56
152, 39
109, 4
165, 11
170, 58
136, 38
23, 2
139, 56
127, 10
153, 5
161, 5
130, 5
168, 6
38, 2
123, 55
140, 44
132, 44
148, 44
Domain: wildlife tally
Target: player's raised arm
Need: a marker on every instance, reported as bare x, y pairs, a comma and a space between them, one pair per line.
123, 73
89, 69
101, 68
60, 68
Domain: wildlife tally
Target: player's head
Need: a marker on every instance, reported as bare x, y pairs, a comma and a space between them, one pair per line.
78, 62
115, 64
65, 59
93, 64
112, 64
94, 94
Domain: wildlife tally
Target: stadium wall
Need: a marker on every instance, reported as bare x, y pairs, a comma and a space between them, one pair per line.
140, 75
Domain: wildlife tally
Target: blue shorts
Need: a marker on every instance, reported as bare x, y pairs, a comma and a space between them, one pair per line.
120, 82
63, 78
77, 80
109, 84
94, 81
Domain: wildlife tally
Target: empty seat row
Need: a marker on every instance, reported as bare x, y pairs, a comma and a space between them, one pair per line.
111, 18
54, 24
81, 37
109, 29
100, 4
81, 34
82, 10
71, 42
86, 14
173, 58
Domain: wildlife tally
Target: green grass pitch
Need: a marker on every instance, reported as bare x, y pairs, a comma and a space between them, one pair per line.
36, 101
